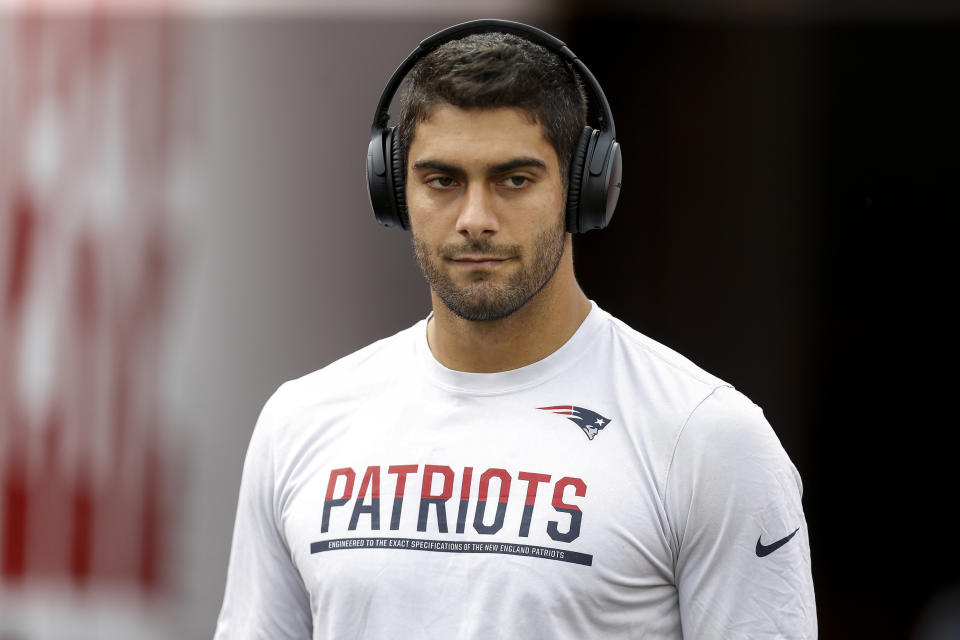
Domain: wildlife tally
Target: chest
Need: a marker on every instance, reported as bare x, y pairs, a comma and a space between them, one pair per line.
464, 500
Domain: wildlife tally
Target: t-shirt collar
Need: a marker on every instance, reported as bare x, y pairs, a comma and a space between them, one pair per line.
514, 379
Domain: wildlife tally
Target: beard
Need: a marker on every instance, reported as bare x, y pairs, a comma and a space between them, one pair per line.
483, 299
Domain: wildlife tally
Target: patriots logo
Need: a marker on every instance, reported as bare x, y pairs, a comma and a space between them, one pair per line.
590, 421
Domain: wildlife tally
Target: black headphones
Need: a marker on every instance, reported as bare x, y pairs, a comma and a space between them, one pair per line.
593, 182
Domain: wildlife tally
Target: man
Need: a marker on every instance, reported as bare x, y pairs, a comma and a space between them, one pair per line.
520, 464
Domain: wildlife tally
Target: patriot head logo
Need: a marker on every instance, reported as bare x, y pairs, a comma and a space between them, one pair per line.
590, 421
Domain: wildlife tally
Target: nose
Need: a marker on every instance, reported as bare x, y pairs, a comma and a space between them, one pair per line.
478, 217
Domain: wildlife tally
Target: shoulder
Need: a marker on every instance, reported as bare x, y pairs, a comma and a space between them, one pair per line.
354, 379
665, 382
712, 425
728, 424
647, 352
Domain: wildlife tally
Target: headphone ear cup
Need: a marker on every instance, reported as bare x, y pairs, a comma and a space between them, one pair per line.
378, 180
398, 180
600, 186
575, 177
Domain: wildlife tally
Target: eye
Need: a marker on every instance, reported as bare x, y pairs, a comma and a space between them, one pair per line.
517, 182
441, 182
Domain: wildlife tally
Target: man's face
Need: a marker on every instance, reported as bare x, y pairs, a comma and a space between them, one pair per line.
485, 200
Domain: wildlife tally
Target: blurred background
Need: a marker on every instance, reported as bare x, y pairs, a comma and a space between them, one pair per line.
184, 225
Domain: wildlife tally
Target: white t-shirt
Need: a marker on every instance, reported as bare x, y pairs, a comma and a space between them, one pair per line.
611, 490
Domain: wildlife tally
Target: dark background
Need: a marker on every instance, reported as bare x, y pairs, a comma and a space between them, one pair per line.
785, 222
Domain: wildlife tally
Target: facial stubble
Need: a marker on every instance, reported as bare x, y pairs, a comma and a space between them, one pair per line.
484, 299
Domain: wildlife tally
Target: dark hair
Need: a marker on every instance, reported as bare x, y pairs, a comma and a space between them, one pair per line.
491, 70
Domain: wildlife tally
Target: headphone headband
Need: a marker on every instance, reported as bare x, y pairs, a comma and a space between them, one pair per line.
490, 25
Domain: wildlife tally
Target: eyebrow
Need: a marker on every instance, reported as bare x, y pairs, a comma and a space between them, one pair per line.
502, 167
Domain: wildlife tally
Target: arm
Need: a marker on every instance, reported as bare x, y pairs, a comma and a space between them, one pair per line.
742, 554
264, 596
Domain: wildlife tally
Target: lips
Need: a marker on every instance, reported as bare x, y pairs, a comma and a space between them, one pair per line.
478, 255
478, 262
478, 259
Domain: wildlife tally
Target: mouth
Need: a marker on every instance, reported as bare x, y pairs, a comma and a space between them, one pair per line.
478, 262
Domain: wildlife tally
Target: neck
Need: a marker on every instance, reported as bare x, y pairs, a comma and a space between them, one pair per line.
533, 332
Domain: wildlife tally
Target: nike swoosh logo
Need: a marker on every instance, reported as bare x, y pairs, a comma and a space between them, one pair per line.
767, 549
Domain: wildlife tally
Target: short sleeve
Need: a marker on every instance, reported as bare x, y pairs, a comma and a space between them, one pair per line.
733, 501
264, 596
